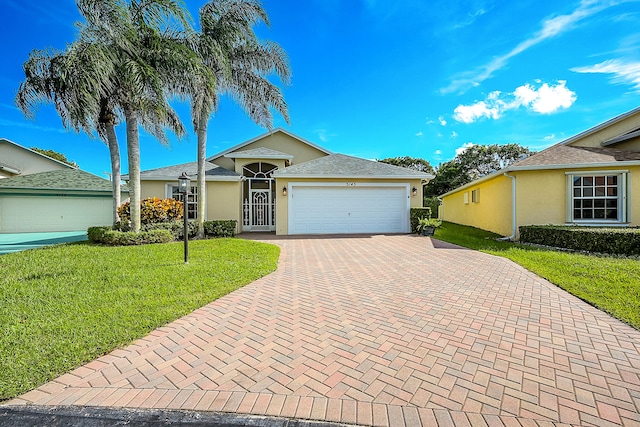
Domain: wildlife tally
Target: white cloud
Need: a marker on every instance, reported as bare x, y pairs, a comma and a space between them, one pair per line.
471, 113
324, 135
438, 152
551, 27
549, 137
545, 99
419, 133
464, 148
627, 73
470, 18
454, 134
442, 121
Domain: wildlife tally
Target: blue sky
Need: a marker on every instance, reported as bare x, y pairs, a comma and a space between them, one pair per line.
376, 78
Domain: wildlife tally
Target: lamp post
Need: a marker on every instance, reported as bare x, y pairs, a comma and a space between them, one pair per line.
184, 183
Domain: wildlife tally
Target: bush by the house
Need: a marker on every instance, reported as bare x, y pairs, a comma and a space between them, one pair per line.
175, 227
220, 228
432, 203
416, 214
607, 240
119, 235
96, 234
153, 211
128, 238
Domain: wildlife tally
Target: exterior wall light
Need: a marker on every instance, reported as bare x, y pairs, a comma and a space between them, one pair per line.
184, 184
414, 191
284, 190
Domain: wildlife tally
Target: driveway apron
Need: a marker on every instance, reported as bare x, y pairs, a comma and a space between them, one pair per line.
379, 330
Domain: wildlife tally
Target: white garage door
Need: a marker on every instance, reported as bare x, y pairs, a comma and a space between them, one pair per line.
24, 214
340, 210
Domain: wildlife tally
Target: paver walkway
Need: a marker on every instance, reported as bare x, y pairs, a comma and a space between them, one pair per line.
380, 330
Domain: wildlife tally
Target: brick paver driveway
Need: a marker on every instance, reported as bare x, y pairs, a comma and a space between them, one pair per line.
382, 330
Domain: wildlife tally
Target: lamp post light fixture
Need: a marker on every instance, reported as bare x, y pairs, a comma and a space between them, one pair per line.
184, 183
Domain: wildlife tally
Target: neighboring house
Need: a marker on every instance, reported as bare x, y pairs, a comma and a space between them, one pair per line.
41, 194
16, 160
63, 200
280, 182
590, 179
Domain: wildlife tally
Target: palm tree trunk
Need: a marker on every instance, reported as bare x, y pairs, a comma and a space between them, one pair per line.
133, 156
201, 132
114, 152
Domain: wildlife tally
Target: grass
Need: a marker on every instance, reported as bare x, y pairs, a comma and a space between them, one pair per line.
65, 305
611, 284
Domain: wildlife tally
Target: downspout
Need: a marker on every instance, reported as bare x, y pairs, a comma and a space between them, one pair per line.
513, 208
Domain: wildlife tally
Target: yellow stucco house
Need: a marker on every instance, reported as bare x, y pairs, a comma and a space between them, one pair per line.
592, 178
283, 183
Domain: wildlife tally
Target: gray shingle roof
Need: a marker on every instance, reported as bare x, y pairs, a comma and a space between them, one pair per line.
173, 172
68, 179
561, 154
340, 165
259, 153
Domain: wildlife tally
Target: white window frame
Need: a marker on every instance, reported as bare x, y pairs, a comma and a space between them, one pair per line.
192, 200
622, 205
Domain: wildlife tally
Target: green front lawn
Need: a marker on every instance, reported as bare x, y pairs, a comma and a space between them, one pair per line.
66, 305
611, 284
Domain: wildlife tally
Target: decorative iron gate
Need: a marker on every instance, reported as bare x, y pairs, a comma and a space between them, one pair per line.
259, 211
258, 206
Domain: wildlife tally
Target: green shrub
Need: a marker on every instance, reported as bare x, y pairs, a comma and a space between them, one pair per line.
96, 234
416, 214
153, 211
192, 229
120, 234
432, 203
129, 238
220, 228
607, 240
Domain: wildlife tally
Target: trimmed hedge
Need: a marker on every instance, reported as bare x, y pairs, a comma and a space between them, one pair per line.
606, 240
96, 234
158, 233
129, 238
220, 228
416, 214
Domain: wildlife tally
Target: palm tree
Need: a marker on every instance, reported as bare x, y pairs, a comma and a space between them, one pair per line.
70, 81
240, 63
144, 53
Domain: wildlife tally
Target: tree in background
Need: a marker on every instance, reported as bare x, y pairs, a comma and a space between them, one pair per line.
473, 163
418, 164
55, 155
